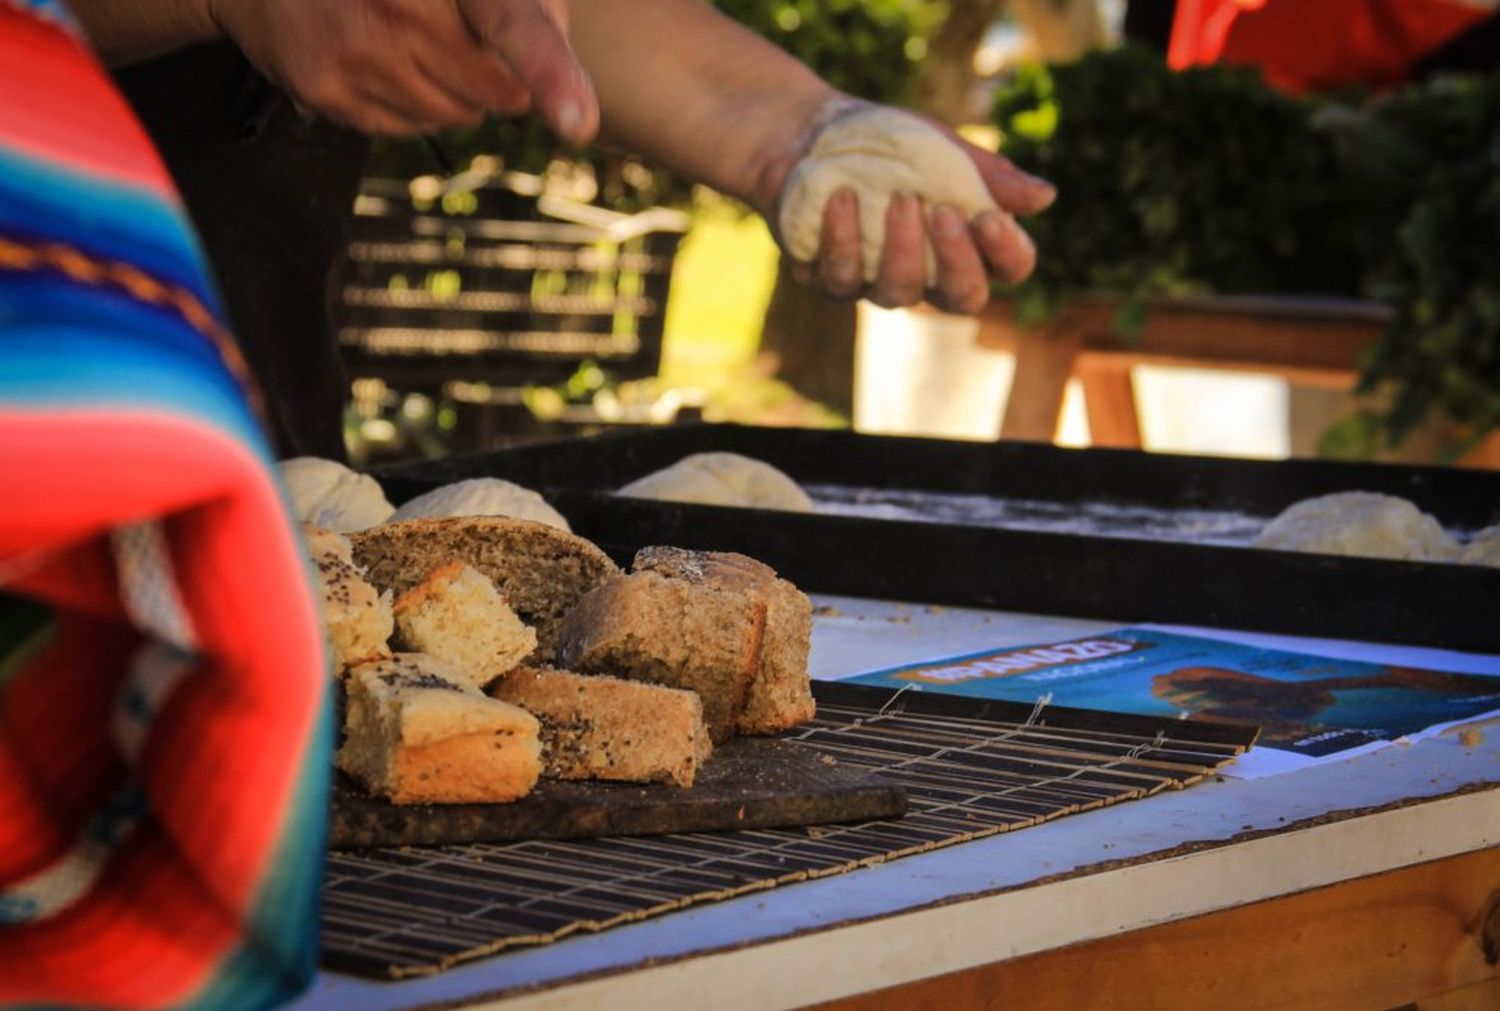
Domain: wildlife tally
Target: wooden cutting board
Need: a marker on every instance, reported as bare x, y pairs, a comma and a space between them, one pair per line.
748, 783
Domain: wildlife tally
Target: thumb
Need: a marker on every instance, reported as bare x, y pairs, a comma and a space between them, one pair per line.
528, 36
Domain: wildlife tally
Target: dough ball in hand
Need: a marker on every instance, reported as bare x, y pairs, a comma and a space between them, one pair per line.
330, 495
877, 152
1359, 523
482, 496
724, 479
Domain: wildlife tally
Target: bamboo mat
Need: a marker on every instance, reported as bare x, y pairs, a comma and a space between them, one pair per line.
971, 769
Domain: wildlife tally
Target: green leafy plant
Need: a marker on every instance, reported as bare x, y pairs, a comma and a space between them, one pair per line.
1170, 183
1433, 151
1208, 181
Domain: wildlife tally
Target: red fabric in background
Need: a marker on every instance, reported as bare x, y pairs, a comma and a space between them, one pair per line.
1315, 45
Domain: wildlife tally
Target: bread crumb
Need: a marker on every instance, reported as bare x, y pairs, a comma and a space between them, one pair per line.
1470, 737
828, 760
827, 611
935, 609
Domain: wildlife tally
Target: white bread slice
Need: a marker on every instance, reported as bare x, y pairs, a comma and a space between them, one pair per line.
415, 734
456, 614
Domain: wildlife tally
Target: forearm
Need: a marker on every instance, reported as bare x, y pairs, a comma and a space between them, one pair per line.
124, 31
685, 86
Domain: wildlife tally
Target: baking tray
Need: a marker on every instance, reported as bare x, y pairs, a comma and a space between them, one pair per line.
1129, 579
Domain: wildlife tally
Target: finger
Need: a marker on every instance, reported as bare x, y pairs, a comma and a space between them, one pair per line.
1014, 190
453, 59
903, 264
396, 81
526, 37
373, 114
963, 281
840, 269
1005, 246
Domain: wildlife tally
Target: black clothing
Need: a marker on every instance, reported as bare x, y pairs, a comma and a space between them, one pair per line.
270, 194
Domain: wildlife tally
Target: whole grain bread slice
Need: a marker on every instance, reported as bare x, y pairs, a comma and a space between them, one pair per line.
541, 571
780, 694
597, 727
683, 632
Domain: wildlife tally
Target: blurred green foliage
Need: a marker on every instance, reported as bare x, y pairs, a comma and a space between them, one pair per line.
1207, 180
1433, 152
1170, 183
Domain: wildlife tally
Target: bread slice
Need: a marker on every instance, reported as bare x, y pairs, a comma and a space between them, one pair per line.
540, 570
682, 632
607, 728
455, 613
358, 619
415, 734
780, 695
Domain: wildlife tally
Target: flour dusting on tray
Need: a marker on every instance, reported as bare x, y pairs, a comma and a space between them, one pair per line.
1098, 519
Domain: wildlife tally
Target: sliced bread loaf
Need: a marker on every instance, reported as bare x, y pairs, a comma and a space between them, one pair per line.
415, 734
357, 617
780, 695
456, 614
607, 728
680, 631
540, 570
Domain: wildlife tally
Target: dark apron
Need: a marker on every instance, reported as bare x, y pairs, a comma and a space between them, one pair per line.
270, 194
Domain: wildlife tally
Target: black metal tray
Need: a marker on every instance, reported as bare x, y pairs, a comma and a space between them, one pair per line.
1112, 578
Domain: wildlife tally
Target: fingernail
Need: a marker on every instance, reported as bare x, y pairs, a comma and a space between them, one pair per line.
946, 222
991, 225
1021, 236
569, 118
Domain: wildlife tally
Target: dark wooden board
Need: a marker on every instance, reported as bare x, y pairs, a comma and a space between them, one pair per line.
748, 783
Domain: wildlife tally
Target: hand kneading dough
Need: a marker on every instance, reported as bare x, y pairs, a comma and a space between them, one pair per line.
1483, 548
1359, 523
482, 496
725, 479
878, 152
328, 494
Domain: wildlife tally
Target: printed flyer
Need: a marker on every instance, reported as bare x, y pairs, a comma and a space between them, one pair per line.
1309, 707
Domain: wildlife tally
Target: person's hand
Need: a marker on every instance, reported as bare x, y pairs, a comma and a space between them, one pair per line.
969, 254
414, 66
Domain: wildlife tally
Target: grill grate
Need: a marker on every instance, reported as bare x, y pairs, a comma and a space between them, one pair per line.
971, 769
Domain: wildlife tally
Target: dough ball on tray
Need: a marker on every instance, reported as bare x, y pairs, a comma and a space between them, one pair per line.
1359, 523
722, 479
482, 496
1483, 548
330, 495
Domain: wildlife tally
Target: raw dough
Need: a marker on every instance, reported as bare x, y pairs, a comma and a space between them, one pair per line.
725, 479
1359, 523
879, 152
328, 494
482, 496
1483, 548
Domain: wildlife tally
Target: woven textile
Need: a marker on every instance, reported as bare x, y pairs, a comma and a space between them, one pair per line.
164, 724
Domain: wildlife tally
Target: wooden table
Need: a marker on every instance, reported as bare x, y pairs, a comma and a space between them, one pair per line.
1371, 883
1316, 342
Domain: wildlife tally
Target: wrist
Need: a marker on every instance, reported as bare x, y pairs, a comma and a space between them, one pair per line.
801, 126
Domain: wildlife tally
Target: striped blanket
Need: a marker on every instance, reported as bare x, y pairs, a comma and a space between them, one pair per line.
164, 718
